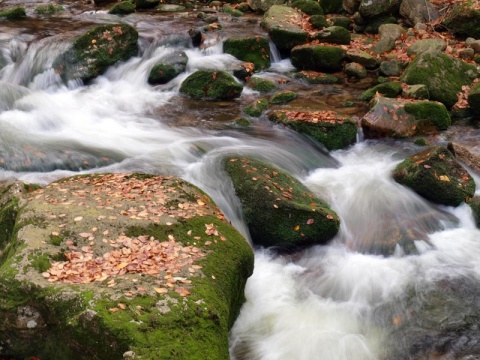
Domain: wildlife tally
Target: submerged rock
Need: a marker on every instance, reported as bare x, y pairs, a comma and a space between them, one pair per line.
278, 209
437, 176
92, 53
211, 85
99, 266
330, 129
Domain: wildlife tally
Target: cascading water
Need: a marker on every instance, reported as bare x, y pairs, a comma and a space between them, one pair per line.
346, 300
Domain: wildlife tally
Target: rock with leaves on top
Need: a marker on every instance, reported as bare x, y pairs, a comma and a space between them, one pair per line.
93, 52
399, 118
435, 175
211, 85
142, 260
443, 75
327, 127
277, 208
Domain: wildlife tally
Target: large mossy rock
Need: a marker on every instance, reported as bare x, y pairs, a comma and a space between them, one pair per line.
333, 35
92, 53
262, 6
123, 8
327, 127
107, 266
211, 85
254, 49
309, 7
437, 176
277, 208
443, 75
463, 21
400, 118
323, 58
168, 68
281, 23
474, 99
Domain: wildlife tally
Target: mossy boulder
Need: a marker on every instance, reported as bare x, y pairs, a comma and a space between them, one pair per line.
309, 7
388, 89
277, 208
256, 108
228, 9
342, 21
443, 75
281, 23
474, 204
333, 35
283, 97
16, 13
168, 68
362, 58
323, 58
260, 84
426, 45
116, 265
400, 118
123, 8
332, 130
319, 22
211, 85
375, 9
263, 6
463, 21
254, 49
93, 52
474, 99
435, 175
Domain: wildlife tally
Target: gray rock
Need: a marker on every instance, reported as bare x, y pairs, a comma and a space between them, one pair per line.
419, 92
415, 11
355, 70
421, 46
391, 68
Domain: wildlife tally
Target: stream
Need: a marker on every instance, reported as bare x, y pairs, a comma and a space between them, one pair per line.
338, 302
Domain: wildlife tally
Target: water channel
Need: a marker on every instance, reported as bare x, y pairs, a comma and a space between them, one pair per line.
338, 302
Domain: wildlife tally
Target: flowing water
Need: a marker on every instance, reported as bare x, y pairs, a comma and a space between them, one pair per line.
343, 301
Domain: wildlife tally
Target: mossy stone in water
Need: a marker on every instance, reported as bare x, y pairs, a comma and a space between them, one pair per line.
137, 313
437, 176
388, 89
475, 206
315, 77
168, 68
211, 85
254, 49
123, 8
260, 84
14, 14
321, 58
278, 209
228, 9
435, 112
256, 108
93, 52
333, 131
309, 7
283, 97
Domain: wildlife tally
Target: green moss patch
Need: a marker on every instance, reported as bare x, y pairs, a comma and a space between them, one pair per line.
14, 14
253, 49
321, 58
211, 85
